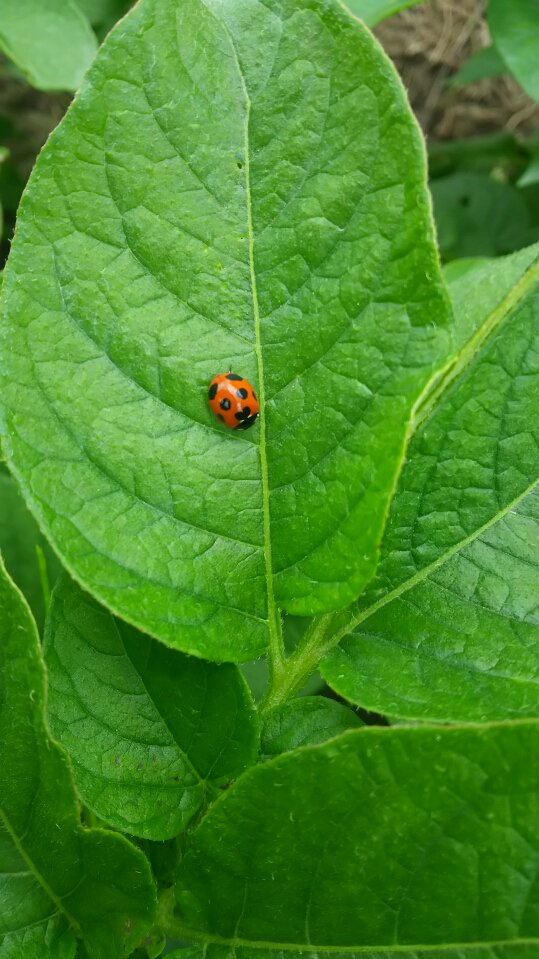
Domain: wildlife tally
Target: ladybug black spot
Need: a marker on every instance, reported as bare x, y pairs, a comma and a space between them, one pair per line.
225, 404
212, 391
242, 393
243, 414
233, 376
245, 424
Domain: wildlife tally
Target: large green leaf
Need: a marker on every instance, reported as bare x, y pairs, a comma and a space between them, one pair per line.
149, 730
49, 40
405, 840
449, 629
261, 206
515, 27
57, 879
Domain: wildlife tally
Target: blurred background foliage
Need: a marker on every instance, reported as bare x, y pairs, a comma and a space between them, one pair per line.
471, 68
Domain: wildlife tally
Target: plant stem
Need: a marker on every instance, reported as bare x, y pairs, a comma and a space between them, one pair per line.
296, 670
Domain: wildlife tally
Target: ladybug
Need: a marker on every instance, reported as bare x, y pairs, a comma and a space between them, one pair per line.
233, 401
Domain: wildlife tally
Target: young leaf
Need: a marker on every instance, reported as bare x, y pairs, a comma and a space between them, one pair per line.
57, 880
428, 841
148, 730
482, 64
50, 41
262, 206
29, 559
305, 722
449, 629
515, 27
477, 216
373, 11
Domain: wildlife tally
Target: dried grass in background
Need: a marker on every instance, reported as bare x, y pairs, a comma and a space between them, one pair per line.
428, 44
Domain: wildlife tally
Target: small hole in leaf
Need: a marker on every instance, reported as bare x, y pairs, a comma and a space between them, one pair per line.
239, 165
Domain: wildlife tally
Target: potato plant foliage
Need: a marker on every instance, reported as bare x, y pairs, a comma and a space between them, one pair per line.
241, 184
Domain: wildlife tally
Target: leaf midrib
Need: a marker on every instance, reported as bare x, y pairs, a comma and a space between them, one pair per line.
441, 560
197, 936
58, 902
436, 391
276, 652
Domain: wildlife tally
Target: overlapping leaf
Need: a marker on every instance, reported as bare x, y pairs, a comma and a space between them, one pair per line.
28, 558
49, 40
382, 842
149, 731
237, 185
373, 11
57, 880
449, 629
514, 29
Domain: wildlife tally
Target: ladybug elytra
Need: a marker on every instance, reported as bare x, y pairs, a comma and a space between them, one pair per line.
233, 401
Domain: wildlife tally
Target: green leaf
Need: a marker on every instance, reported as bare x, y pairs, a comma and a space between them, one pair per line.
496, 154
531, 173
498, 951
456, 269
25, 551
40, 942
262, 207
150, 732
100, 12
305, 722
420, 838
482, 64
478, 295
477, 216
103, 14
50, 41
56, 878
373, 11
449, 629
514, 28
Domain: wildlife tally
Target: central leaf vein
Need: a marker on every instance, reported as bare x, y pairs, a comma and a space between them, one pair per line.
276, 649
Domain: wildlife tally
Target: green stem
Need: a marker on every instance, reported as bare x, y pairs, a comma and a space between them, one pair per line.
276, 654
303, 662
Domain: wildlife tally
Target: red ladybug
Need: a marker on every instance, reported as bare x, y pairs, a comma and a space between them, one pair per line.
233, 401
